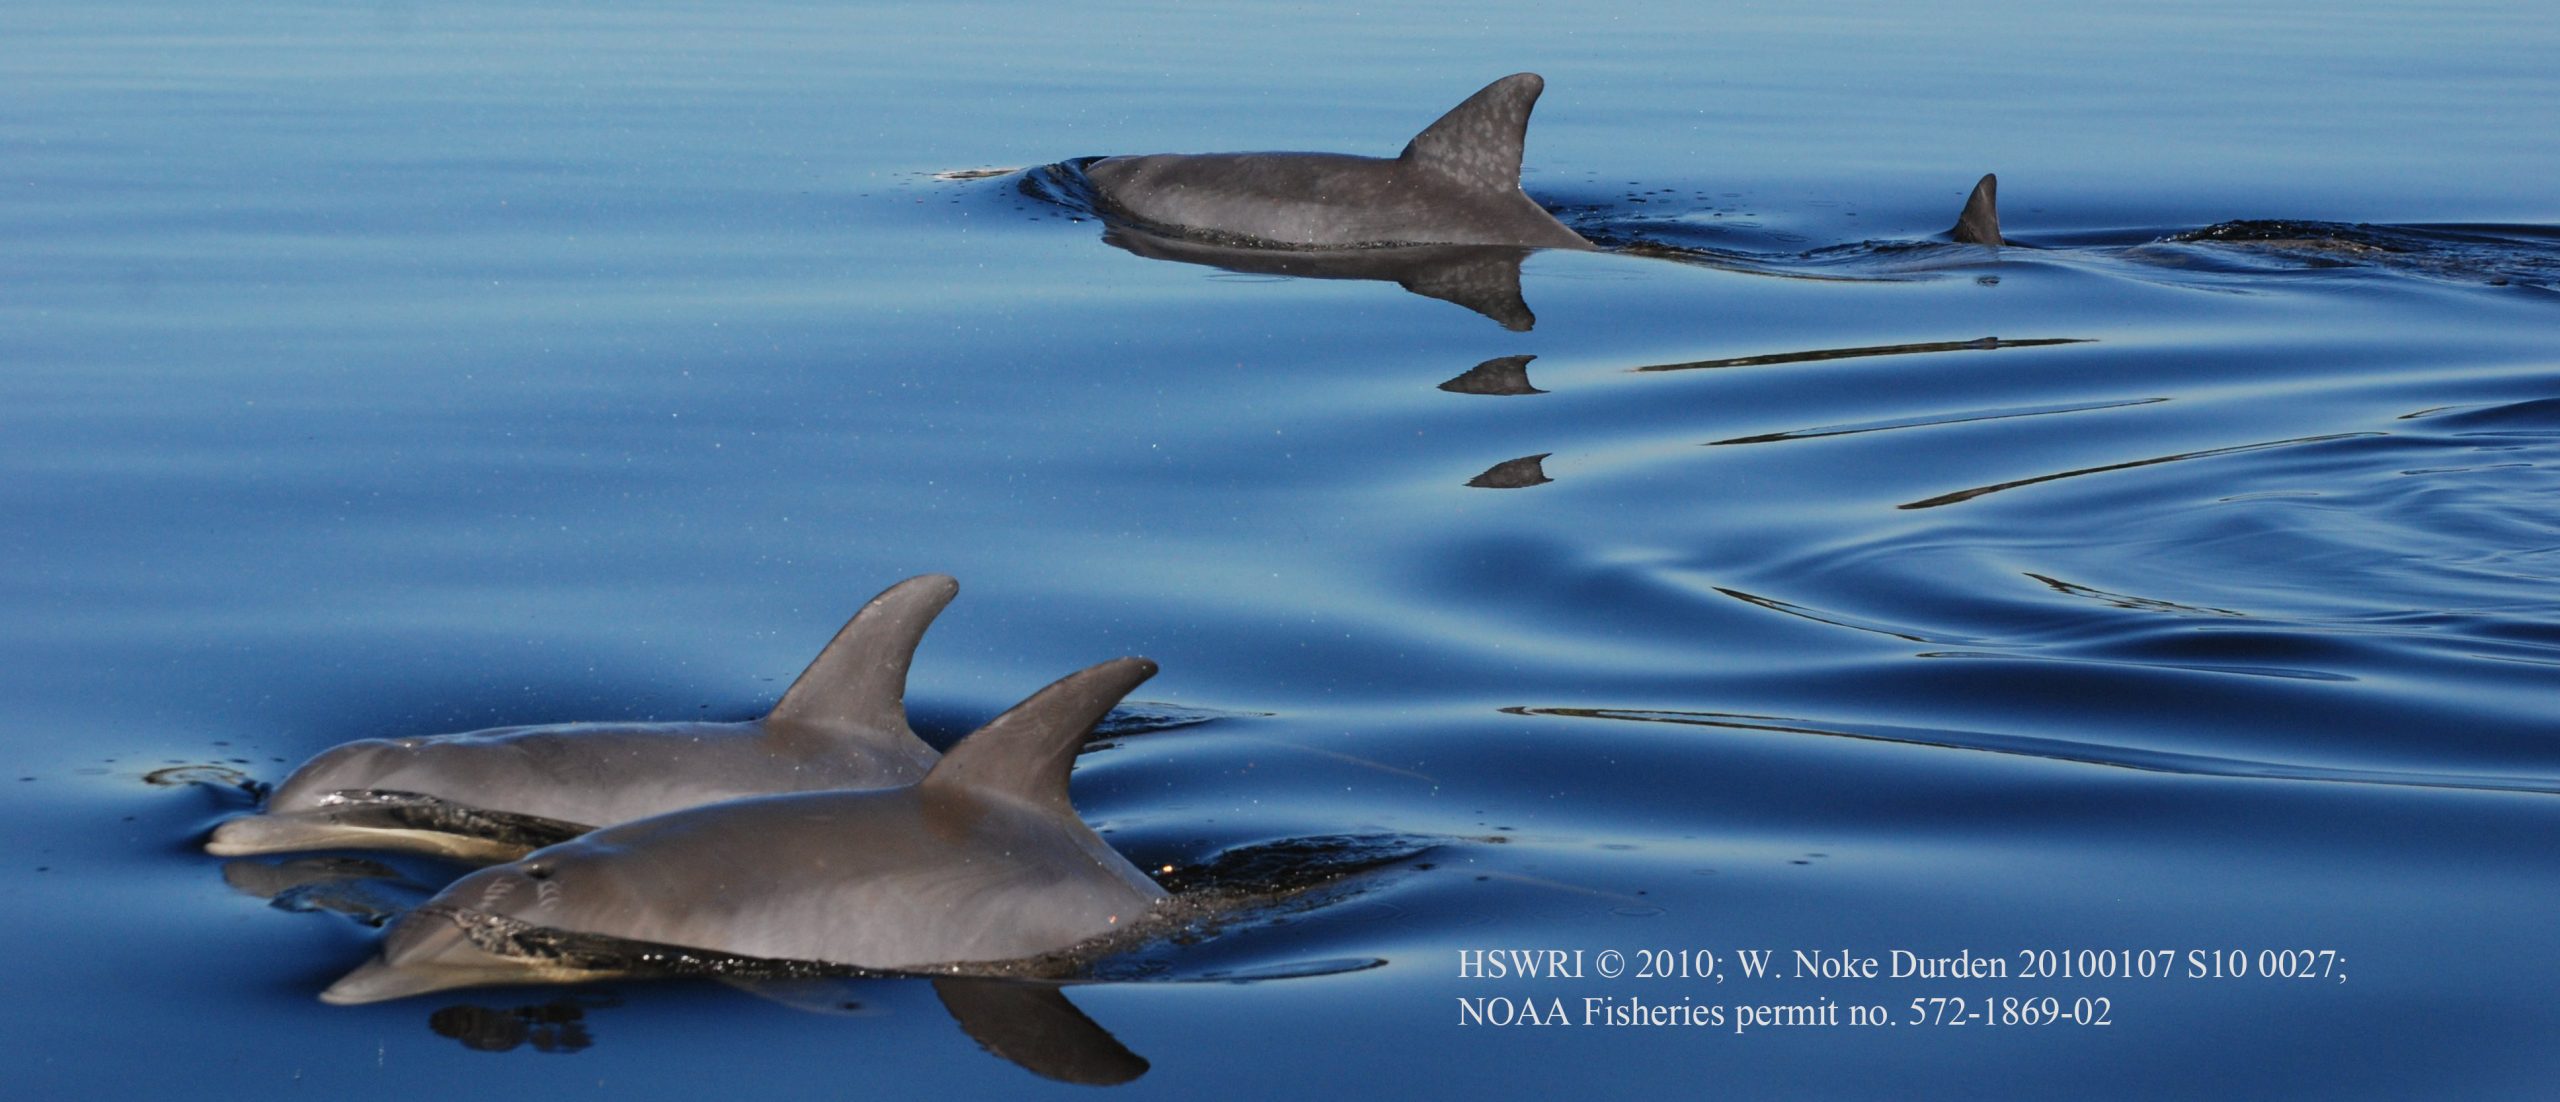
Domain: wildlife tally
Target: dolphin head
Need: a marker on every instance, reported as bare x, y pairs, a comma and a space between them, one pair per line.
464, 940
383, 794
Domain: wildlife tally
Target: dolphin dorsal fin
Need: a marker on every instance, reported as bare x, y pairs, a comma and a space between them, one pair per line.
1478, 142
857, 687
1025, 753
1980, 222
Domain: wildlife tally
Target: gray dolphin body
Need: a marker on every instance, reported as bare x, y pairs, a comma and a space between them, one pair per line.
494, 795
1456, 183
984, 860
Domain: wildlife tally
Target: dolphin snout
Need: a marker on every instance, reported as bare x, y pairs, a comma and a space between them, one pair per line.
251, 835
426, 952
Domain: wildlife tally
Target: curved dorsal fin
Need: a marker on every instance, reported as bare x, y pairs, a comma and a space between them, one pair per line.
1980, 222
858, 685
1478, 142
1025, 753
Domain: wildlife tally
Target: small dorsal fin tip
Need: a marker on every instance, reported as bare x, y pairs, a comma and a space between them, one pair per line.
1027, 752
1980, 222
857, 686
1480, 141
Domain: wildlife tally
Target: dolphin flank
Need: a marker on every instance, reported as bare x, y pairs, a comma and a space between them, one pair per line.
1456, 183
493, 795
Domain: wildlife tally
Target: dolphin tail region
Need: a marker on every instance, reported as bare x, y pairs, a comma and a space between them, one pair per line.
1479, 142
1026, 753
857, 687
1980, 222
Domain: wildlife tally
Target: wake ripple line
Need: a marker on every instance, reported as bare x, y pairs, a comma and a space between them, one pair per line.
1979, 491
2148, 761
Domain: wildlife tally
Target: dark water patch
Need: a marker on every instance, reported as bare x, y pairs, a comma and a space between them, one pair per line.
557, 1027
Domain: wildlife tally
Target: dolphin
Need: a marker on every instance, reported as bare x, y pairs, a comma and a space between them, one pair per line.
1456, 183
983, 861
487, 796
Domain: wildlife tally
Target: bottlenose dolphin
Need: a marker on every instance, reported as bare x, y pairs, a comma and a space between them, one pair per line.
1456, 183
983, 861
494, 795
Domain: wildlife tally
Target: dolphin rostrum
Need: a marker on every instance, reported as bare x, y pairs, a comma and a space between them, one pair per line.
1456, 183
493, 795
983, 861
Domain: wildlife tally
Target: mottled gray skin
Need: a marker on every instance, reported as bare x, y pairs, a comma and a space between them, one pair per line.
982, 861
841, 725
1457, 183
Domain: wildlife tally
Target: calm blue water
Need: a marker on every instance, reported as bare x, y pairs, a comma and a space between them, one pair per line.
414, 368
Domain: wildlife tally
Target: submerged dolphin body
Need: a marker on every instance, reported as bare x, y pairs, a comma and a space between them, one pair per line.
494, 795
984, 860
1456, 183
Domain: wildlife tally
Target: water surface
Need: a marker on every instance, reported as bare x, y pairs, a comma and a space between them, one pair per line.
419, 368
